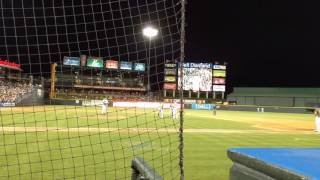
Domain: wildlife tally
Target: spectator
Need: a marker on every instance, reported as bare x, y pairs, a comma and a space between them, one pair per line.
10, 90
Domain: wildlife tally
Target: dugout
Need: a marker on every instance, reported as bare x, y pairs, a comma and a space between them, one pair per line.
284, 97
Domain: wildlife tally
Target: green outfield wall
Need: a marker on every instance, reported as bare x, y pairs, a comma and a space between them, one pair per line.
288, 97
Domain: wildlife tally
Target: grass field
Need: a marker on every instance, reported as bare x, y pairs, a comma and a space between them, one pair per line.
66, 142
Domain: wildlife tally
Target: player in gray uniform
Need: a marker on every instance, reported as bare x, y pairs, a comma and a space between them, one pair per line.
161, 111
174, 110
317, 122
104, 107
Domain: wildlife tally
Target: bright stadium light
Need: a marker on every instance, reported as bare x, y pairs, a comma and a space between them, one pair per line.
149, 32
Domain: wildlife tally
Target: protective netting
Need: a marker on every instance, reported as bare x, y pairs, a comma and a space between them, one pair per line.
81, 88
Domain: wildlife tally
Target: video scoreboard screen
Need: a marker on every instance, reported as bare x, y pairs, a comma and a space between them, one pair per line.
95, 62
139, 67
71, 61
111, 64
197, 76
126, 65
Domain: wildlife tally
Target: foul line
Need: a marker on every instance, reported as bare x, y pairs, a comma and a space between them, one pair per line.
151, 130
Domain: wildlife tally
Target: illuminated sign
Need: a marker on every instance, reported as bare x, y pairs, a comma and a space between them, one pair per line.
95, 62
125, 65
219, 88
6, 63
170, 72
170, 79
111, 64
171, 65
139, 67
219, 73
171, 86
219, 81
71, 61
223, 67
198, 65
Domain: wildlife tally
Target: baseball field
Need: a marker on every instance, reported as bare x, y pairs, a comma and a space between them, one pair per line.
67, 142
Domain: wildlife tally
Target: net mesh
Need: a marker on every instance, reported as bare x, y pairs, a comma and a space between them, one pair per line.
66, 112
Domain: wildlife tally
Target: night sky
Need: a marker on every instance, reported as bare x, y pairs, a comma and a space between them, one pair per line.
266, 43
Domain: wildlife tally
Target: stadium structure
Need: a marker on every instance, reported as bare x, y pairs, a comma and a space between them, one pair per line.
97, 89
82, 80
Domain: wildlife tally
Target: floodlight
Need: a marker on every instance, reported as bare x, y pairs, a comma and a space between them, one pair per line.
150, 32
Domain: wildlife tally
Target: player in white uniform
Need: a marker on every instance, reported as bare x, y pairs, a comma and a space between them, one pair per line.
161, 111
174, 110
317, 113
104, 107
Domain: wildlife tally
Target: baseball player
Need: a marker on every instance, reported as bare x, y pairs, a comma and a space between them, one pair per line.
174, 110
317, 114
161, 111
104, 107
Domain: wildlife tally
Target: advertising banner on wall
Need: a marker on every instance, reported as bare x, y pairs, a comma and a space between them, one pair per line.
92, 103
171, 86
170, 79
203, 106
219, 73
111, 64
95, 62
219, 88
139, 67
71, 61
126, 65
171, 65
144, 105
223, 67
7, 104
219, 81
170, 72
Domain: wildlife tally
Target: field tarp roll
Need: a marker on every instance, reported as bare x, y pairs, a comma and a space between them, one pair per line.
274, 163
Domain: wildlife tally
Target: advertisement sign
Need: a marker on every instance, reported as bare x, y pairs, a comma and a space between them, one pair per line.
170, 72
223, 67
219, 88
7, 104
203, 106
171, 65
189, 101
71, 61
219, 73
95, 62
92, 103
125, 65
6, 63
111, 64
139, 67
170, 79
143, 105
171, 86
219, 81
198, 65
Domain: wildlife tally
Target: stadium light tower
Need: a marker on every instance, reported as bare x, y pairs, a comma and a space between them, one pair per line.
149, 32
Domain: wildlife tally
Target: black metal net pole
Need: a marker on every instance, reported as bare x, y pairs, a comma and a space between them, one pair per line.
182, 55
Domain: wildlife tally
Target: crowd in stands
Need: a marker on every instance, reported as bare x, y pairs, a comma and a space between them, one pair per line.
11, 90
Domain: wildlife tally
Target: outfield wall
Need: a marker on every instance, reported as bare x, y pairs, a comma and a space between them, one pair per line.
284, 97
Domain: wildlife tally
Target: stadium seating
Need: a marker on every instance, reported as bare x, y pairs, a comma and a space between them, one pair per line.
11, 90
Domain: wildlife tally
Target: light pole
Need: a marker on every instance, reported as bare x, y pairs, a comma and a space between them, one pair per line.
149, 32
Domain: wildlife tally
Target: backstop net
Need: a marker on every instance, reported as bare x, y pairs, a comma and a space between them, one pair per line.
81, 89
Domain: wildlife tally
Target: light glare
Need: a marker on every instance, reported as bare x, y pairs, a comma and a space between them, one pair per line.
150, 32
